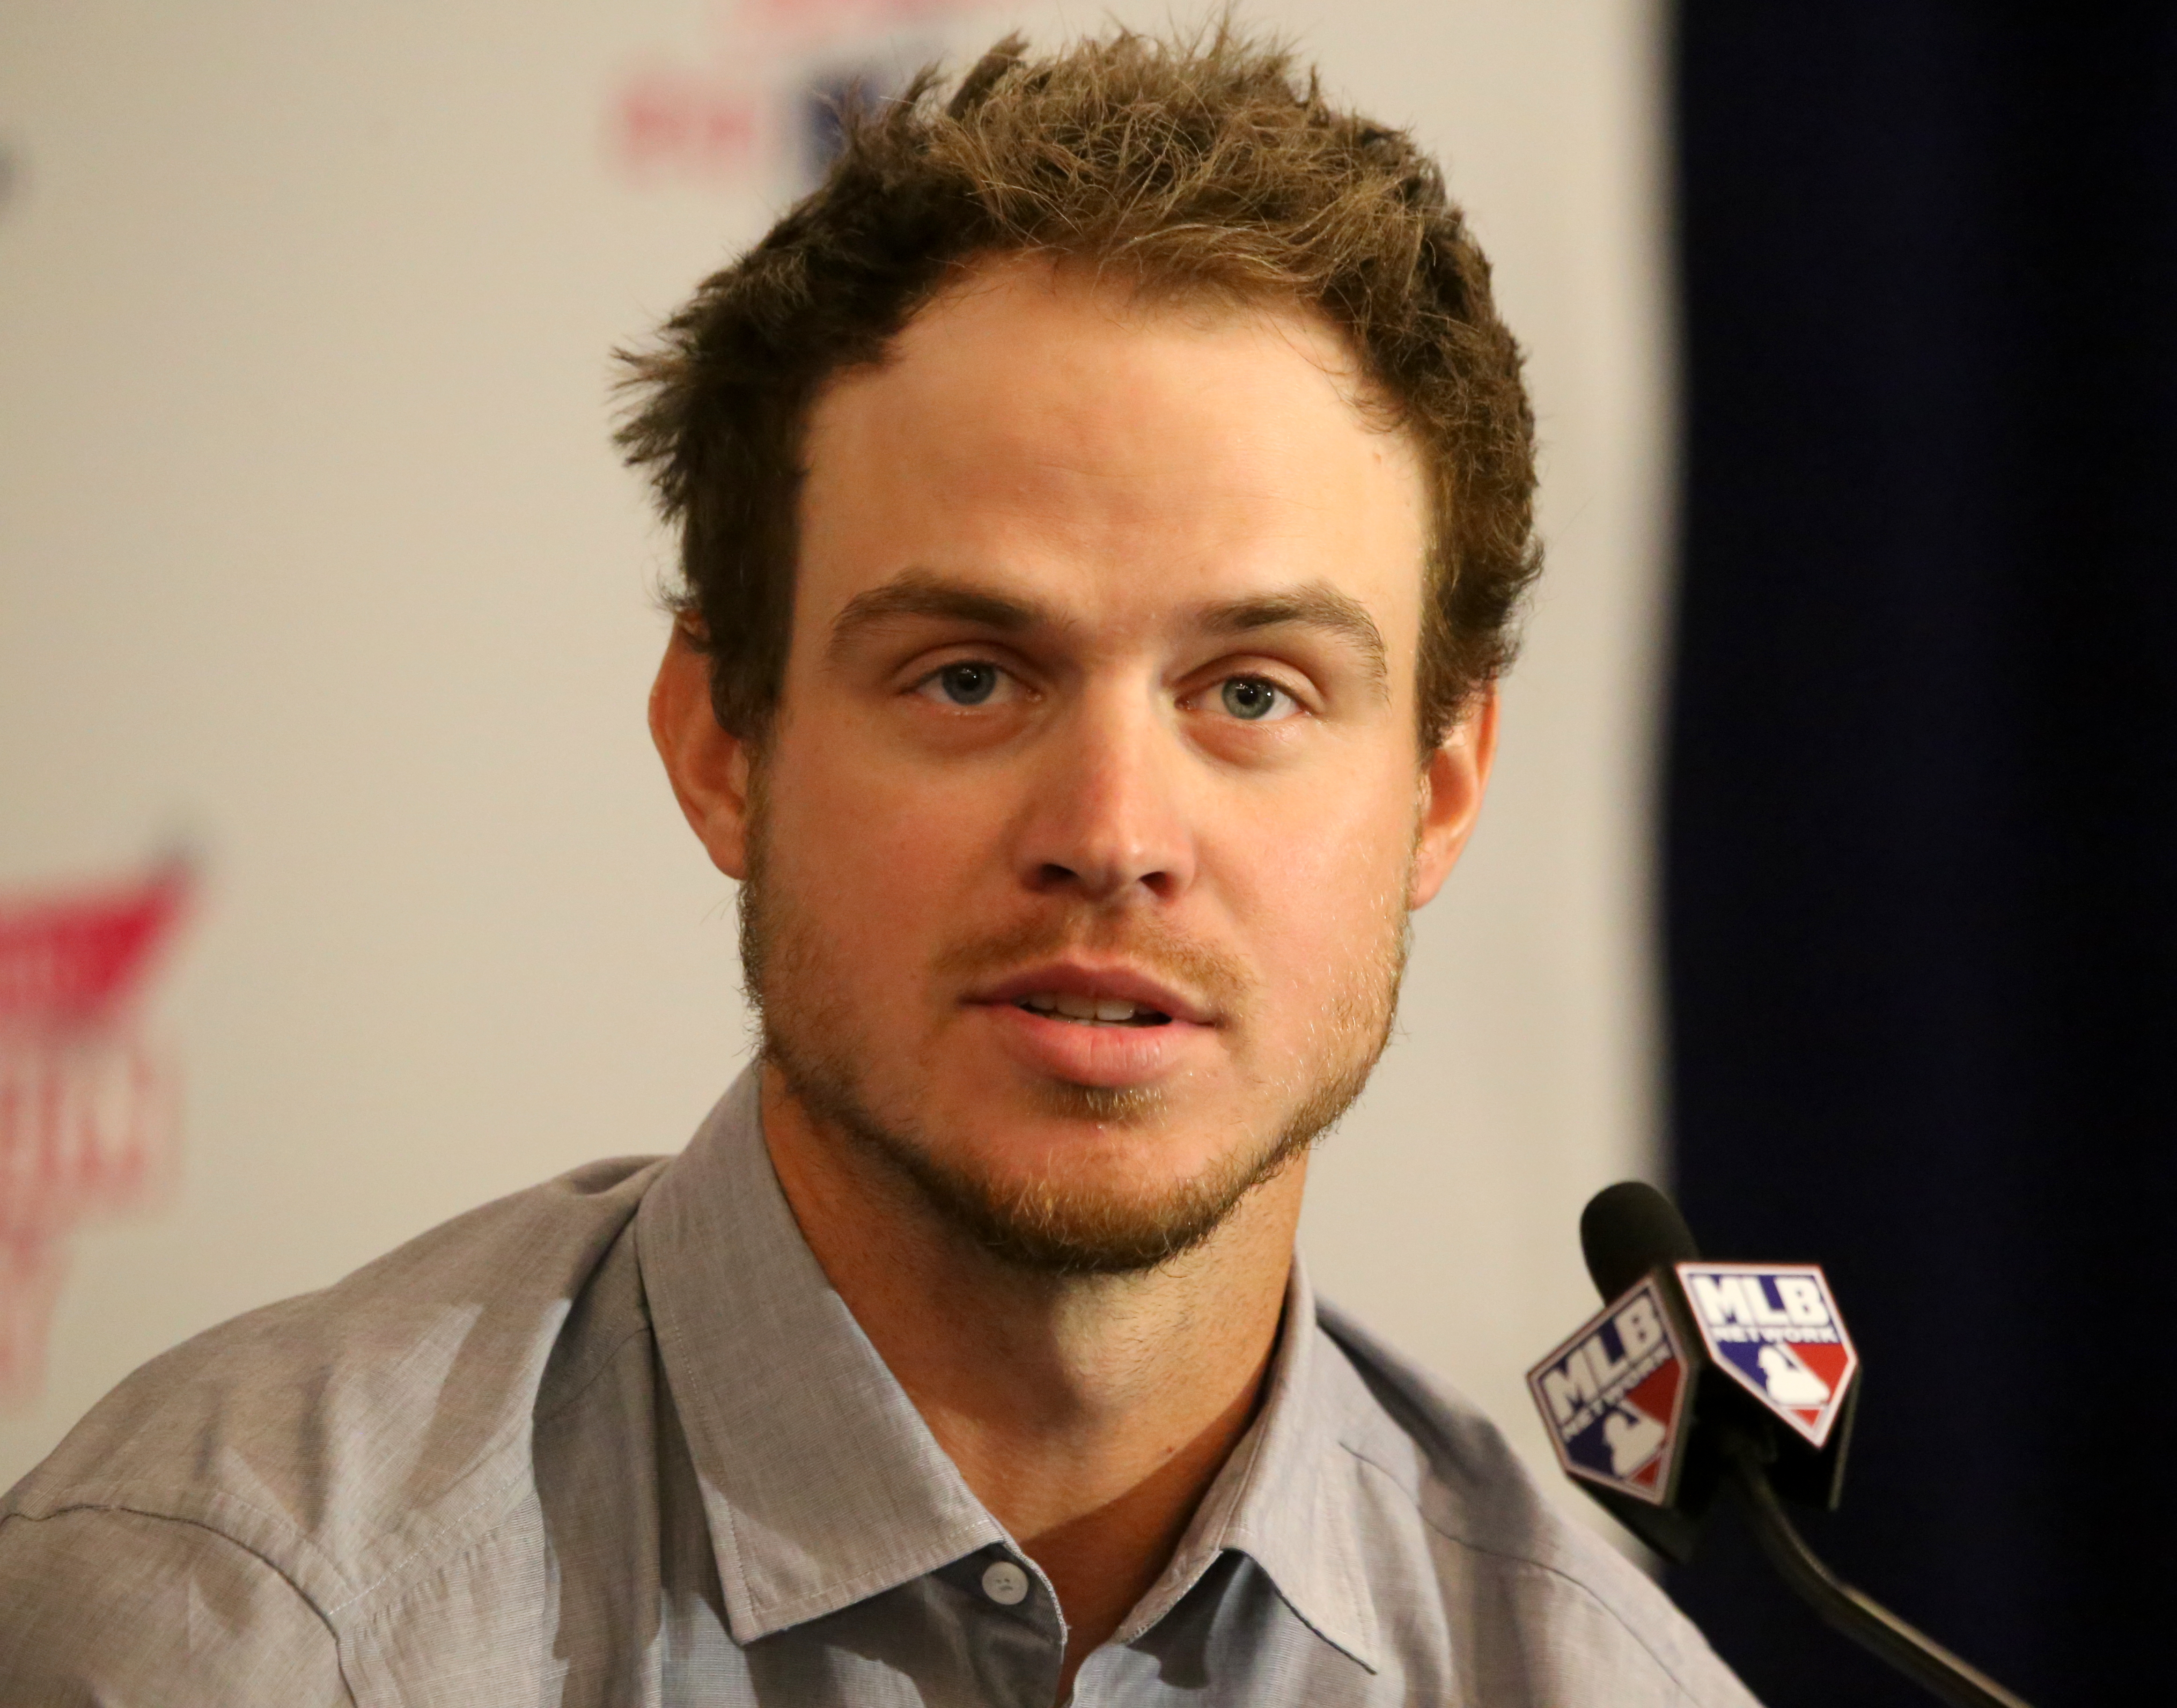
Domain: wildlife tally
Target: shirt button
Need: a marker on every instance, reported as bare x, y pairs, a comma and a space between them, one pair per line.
1005, 1583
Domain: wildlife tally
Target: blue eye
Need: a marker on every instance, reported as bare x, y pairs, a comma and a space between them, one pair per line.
1250, 698
968, 683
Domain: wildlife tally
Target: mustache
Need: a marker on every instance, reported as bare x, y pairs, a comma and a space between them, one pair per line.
1143, 941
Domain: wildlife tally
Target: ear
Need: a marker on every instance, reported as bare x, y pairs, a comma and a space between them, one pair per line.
1452, 786
708, 766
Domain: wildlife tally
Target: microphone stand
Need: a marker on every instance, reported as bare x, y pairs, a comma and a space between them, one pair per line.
1866, 1621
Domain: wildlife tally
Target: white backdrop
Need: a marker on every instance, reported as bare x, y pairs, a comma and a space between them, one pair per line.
313, 554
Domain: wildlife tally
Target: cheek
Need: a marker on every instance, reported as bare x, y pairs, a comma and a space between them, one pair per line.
876, 857
1318, 882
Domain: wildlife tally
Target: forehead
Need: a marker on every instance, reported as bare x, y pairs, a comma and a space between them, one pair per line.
1110, 454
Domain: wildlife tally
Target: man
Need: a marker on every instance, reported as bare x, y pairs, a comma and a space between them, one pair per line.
1103, 502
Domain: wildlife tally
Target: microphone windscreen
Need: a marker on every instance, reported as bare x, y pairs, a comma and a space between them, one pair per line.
1626, 1230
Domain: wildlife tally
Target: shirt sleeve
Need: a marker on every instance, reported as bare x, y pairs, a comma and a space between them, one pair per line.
102, 1608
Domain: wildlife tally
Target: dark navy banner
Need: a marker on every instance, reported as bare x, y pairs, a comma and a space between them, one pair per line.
1921, 841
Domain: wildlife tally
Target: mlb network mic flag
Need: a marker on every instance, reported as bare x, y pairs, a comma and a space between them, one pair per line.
1775, 1328
1613, 1397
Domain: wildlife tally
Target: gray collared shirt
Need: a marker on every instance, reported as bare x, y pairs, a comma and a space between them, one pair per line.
615, 1440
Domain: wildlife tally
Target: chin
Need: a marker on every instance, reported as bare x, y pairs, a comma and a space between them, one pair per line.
1085, 1195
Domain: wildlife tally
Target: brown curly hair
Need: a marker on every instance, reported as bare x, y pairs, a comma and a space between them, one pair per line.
1201, 166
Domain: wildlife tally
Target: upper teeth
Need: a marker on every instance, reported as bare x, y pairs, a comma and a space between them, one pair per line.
1075, 1007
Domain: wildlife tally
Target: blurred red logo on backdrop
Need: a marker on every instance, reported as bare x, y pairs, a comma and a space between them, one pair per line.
88, 1104
768, 99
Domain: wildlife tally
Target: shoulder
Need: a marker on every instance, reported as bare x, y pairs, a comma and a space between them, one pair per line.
83, 1589
1525, 1592
315, 1445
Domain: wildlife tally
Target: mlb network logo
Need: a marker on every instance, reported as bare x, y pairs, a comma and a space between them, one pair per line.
1774, 1327
1613, 1395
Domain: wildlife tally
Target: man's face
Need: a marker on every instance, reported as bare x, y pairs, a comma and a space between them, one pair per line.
1085, 835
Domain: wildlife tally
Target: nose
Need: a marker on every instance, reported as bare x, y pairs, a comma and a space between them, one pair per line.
1106, 820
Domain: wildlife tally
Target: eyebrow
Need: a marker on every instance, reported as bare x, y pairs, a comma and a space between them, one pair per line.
1314, 606
924, 593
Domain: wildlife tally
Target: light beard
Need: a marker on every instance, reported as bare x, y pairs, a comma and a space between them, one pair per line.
1046, 1226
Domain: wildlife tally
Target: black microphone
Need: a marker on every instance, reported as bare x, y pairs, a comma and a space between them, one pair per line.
1626, 1230
1698, 1375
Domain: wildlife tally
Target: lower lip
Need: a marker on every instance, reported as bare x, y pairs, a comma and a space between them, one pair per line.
1083, 1053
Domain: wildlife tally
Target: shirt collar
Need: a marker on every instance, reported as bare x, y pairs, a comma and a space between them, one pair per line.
1287, 1497
823, 1486
821, 1483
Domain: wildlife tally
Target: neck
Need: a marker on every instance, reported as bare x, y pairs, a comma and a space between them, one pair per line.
1089, 1413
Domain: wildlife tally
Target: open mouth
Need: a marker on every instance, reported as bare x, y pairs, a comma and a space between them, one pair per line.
1092, 1011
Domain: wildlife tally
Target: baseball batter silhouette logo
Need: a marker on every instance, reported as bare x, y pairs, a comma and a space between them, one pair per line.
1613, 1396
1776, 1330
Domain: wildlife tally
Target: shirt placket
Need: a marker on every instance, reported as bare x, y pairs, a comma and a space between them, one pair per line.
1014, 1635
